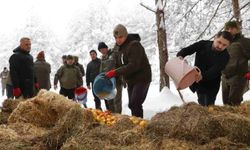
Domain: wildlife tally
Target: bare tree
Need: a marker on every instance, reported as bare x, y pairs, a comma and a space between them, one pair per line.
236, 12
161, 40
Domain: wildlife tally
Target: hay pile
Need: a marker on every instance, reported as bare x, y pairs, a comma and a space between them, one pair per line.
50, 121
8, 106
44, 110
201, 125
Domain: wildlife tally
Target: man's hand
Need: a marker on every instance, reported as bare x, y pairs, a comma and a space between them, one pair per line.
17, 92
180, 57
198, 77
110, 74
247, 76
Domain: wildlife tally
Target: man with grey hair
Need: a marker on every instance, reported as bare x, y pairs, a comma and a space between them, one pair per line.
133, 65
22, 70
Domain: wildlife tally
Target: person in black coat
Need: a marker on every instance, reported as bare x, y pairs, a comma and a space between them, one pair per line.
22, 70
133, 65
93, 69
211, 58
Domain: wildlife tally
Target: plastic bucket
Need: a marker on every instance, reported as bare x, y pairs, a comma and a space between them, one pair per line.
81, 95
182, 74
104, 88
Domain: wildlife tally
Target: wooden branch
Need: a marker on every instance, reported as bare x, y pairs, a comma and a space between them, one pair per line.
210, 21
147, 7
230, 20
185, 15
165, 3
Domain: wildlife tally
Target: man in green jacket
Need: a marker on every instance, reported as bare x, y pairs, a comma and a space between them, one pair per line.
233, 81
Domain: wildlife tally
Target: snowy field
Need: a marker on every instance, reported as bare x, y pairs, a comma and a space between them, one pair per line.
156, 101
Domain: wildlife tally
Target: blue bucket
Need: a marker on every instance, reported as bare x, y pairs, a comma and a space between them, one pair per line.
104, 88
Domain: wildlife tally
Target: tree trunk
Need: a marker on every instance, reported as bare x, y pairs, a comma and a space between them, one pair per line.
236, 12
162, 45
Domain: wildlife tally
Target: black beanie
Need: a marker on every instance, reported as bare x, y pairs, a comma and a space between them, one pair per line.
102, 45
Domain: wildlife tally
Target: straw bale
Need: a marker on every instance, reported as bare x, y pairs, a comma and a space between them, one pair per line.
44, 110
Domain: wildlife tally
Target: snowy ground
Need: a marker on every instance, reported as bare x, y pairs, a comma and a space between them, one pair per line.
156, 101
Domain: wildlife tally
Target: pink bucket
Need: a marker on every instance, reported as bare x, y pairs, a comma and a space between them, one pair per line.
182, 74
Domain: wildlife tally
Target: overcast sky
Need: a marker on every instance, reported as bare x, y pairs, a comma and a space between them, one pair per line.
53, 13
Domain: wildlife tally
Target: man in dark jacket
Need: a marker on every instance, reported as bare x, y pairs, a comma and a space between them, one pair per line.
80, 66
107, 64
22, 70
233, 81
42, 71
93, 69
133, 64
211, 57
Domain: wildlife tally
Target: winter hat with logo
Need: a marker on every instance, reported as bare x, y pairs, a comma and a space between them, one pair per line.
40, 55
120, 30
102, 45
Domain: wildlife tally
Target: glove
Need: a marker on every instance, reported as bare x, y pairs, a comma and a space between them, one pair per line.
16, 92
247, 76
110, 74
37, 85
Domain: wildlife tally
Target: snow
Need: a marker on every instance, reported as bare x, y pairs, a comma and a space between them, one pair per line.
156, 101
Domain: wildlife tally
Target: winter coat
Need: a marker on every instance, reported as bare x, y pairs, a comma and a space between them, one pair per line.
210, 62
22, 72
93, 69
107, 62
239, 52
69, 76
132, 62
42, 72
81, 68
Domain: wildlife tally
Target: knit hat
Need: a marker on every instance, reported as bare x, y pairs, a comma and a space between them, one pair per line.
40, 55
69, 57
120, 30
231, 24
102, 45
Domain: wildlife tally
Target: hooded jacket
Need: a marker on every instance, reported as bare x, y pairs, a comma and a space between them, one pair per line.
132, 62
239, 52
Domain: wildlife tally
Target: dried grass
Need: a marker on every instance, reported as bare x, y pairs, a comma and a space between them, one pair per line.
44, 110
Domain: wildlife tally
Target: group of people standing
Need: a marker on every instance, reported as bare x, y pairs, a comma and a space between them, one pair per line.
127, 62
224, 58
